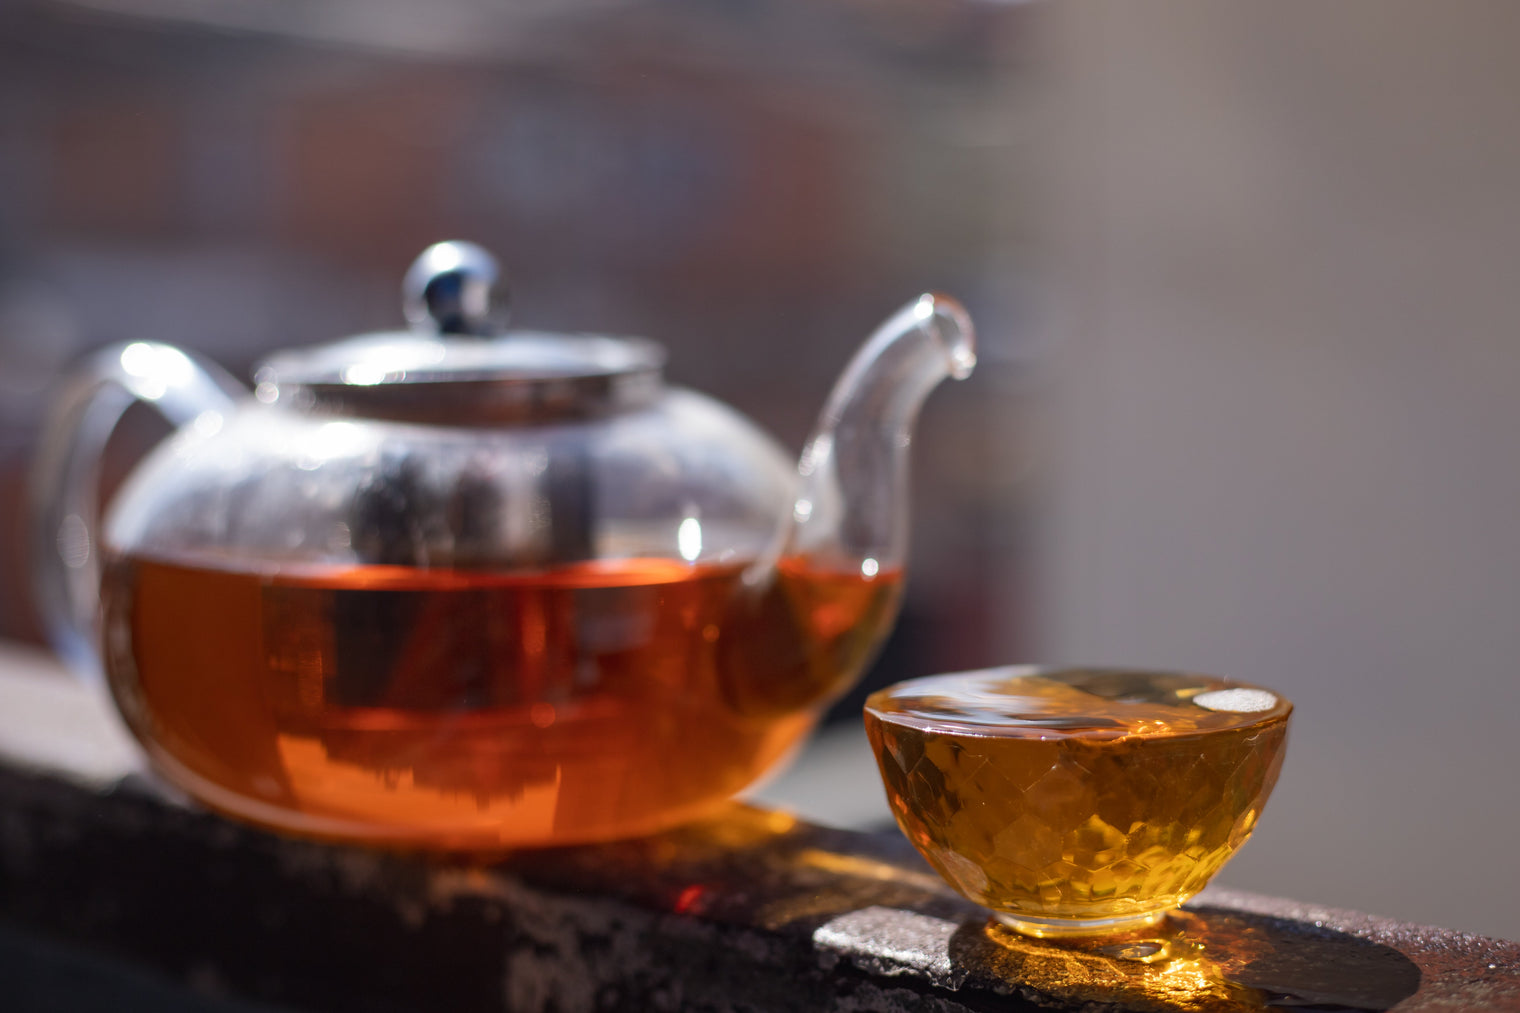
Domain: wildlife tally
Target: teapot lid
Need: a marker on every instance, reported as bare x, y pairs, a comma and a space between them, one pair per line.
454, 367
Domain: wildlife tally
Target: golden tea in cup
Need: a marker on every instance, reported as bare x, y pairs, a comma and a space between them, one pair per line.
1077, 801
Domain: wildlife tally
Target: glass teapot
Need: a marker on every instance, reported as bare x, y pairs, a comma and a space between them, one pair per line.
445, 588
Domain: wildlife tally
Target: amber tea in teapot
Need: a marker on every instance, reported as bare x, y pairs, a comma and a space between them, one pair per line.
468, 708
455, 587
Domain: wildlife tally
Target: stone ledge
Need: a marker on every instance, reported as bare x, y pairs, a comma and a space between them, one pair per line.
751, 910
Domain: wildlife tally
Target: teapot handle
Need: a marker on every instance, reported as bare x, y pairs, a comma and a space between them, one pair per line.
64, 487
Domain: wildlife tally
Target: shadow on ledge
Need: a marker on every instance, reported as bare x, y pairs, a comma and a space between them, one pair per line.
1209, 959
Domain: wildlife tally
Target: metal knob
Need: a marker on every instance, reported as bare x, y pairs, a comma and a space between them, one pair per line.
448, 290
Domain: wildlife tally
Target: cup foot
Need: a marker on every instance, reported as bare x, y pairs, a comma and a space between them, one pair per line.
1074, 928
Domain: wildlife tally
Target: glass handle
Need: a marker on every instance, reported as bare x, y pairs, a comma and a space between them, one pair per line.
64, 491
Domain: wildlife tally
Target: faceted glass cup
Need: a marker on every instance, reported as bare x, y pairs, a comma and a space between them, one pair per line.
1077, 802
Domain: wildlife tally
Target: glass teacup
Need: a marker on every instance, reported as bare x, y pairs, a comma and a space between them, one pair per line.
1077, 802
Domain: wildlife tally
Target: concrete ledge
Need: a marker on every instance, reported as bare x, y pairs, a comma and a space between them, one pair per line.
750, 911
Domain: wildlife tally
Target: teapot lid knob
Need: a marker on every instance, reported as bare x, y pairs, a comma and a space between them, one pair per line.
447, 290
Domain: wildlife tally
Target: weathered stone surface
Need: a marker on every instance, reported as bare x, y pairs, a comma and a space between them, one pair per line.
749, 911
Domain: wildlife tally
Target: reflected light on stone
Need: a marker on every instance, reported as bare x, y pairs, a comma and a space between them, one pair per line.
689, 899
890, 934
1164, 979
867, 868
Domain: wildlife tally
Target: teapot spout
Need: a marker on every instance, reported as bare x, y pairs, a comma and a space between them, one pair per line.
851, 509
825, 595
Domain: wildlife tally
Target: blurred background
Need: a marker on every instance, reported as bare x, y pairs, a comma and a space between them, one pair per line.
1244, 274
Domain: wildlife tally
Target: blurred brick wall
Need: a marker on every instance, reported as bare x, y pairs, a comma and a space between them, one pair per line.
756, 189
